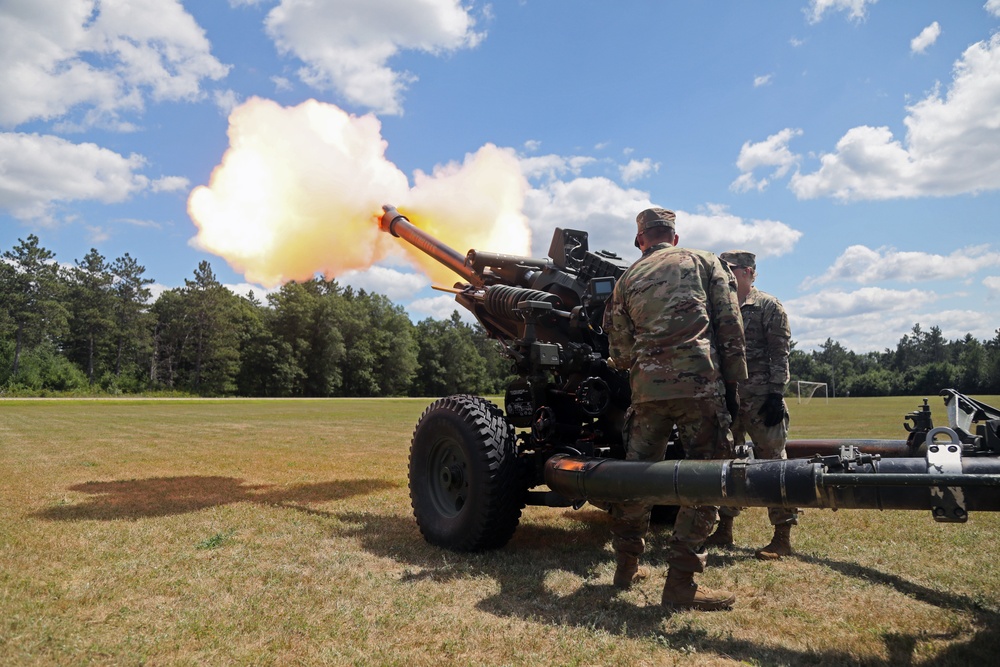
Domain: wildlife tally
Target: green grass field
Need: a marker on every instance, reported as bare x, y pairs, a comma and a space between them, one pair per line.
276, 532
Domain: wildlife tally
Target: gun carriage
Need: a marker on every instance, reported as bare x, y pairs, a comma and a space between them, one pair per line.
557, 441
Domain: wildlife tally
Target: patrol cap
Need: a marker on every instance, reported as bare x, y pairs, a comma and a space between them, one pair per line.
655, 217
739, 259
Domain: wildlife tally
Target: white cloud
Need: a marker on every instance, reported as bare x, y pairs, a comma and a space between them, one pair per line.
281, 84
48, 51
952, 144
439, 308
96, 234
597, 205
993, 7
553, 166
397, 285
763, 80
532, 145
40, 171
171, 184
856, 10
155, 290
863, 265
867, 319
607, 212
718, 230
226, 100
637, 169
876, 319
992, 283
245, 289
836, 304
772, 152
926, 38
346, 44
860, 333
136, 222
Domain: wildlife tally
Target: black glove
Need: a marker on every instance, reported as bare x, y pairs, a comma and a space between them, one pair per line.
773, 409
733, 399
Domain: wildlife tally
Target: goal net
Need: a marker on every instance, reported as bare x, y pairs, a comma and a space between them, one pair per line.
806, 390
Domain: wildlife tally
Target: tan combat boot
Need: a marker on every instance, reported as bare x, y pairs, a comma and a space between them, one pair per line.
723, 535
780, 545
628, 571
681, 591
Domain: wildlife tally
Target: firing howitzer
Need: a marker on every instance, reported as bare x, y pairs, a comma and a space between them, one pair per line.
546, 314
561, 297
473, 467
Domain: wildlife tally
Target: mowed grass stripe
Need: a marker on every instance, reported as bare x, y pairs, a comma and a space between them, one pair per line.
280, 532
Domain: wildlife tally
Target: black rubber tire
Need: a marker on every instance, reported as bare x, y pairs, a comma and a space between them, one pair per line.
465, 488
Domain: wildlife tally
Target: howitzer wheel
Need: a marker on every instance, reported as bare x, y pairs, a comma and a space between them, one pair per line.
465, 487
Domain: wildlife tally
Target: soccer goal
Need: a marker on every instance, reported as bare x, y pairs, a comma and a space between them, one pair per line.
806, 390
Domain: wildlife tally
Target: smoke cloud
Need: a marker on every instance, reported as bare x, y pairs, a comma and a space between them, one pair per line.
300, 190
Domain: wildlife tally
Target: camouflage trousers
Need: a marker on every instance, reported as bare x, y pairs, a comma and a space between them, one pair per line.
703, 427
768, 443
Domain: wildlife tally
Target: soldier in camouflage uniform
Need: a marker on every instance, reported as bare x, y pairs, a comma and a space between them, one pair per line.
762, 408
674, 322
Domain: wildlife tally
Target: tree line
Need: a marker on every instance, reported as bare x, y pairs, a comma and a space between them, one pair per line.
922, 363
94, 328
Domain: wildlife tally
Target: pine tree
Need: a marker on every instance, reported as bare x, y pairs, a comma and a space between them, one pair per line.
91, 310
131, 310
32, 287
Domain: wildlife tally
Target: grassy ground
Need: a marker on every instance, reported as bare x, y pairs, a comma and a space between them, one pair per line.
279, 532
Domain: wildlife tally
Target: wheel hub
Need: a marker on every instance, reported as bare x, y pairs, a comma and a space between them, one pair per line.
452, 476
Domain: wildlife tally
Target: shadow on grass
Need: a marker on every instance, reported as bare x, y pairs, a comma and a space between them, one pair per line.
166, 496
538, 552
942, 599
983, 647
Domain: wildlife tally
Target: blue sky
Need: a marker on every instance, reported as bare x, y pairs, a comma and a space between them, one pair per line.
854, 145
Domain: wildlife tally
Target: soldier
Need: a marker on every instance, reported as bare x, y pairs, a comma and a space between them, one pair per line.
674, 322
762, 408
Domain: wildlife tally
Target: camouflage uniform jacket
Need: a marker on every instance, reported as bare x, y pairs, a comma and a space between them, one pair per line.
674, 322
768, 339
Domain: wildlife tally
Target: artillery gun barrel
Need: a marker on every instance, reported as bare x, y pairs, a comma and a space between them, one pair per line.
395, 223
902, 484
